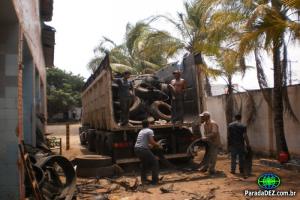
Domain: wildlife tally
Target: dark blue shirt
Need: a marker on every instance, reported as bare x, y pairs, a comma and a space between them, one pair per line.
124, 87
236, 131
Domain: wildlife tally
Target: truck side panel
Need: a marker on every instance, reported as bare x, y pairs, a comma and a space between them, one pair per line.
96, 103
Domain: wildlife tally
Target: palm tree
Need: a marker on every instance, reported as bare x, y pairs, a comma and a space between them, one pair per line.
192, 26
144, 48
266, 28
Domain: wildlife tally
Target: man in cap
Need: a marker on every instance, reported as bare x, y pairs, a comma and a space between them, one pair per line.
177, 87
212, 137
125, 95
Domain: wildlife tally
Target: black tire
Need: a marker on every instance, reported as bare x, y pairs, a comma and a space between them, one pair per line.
136, 106
161, 110
98, 143
82, 138
91, 137
115, 90
142, 92
92, 161
151, 120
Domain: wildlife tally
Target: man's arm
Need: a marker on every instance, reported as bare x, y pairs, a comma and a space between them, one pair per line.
152, 141
246, 139
184, 86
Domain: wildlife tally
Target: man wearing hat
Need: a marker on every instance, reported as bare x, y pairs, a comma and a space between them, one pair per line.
177, 88
212, 136
125, 96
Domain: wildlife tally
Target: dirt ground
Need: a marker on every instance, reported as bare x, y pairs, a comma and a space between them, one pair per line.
175, 184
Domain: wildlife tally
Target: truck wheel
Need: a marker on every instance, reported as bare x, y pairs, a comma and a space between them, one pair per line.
92, 161
161, 110
91, 136
82, 137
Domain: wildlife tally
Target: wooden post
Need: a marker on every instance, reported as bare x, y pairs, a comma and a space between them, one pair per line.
67, 136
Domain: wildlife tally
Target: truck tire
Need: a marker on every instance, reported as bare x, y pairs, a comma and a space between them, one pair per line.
161, 110
92, 161
82, 137
137, 122
91, 136
98, 143
115, 90
136, 106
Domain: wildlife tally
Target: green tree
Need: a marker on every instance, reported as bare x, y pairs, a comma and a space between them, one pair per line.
266, 29
63, 91
144, 48
194, 33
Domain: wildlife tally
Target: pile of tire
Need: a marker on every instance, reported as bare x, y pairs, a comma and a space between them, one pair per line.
150, 100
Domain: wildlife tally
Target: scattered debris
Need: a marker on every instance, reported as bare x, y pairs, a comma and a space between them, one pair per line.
167, 189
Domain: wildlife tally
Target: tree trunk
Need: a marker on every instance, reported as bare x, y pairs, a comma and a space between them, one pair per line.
278, 101
200, 79
207, 86
229, 104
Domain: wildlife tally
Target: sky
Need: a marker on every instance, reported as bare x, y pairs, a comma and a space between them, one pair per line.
80, 25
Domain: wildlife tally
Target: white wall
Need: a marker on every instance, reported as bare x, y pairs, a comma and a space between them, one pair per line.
260, 132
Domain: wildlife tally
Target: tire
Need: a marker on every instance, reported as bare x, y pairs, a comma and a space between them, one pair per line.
136, 106
115, 90
142, 92
92, 161
82, 138
91, 137
161, 110
98, 143
151, 120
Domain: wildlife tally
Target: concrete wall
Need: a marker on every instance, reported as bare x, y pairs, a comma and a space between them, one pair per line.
260, 131
28, 13
9, 174
20, 45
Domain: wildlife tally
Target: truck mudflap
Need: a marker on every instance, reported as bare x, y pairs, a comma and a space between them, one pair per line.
167, 156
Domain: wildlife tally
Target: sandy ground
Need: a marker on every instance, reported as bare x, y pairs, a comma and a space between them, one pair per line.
182, 186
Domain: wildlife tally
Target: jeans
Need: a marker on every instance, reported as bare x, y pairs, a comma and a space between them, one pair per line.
125, 106
148, 160
240, 153
177, 111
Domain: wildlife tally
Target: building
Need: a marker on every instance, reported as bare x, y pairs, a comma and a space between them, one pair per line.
26, 48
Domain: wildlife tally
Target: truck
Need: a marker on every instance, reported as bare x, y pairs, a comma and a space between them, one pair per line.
103, 134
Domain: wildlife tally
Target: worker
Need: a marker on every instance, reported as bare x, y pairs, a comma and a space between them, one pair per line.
125, 95
237, 137
177, 88
144, 142
212, 137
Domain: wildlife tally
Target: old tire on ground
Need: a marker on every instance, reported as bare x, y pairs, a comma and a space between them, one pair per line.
161, 110
99, 172
92, 161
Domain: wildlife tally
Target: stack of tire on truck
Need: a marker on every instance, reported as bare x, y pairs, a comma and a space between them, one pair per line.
150, 101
